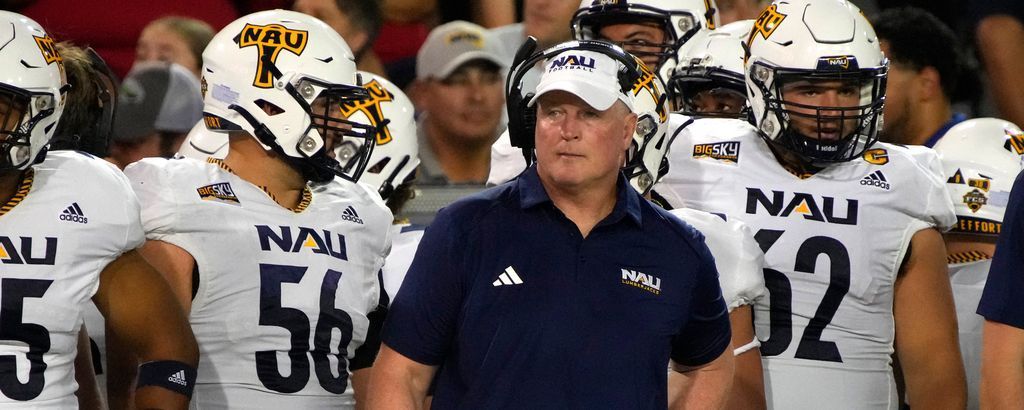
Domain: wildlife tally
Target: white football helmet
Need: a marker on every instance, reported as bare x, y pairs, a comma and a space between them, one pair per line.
712, 62
646, 162
679, 19
981, 158
282, 76
390, 112
814, 41
201, 143
32, 87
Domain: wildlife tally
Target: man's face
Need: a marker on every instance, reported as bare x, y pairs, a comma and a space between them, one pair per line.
898, 93
467, 104
159, 43
641, 40
328, 11
10, 114
833, 124
717, 101
548, 20
578, 145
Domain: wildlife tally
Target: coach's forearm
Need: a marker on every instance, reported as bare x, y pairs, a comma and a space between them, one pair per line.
398, 382
1002, 367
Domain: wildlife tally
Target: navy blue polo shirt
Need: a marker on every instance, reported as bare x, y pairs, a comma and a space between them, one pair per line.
1004, 289
520, 311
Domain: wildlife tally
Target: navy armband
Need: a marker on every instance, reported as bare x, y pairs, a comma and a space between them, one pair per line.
169, 374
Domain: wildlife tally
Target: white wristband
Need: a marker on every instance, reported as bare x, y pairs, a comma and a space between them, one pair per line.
747, 347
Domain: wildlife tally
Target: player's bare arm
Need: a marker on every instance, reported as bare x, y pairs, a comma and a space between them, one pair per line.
748, 380
398, 382
1002, 366
140, 310
701, 387
926, 328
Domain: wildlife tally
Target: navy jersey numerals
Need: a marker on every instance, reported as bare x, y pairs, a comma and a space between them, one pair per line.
811, 346
273, 313
12, 327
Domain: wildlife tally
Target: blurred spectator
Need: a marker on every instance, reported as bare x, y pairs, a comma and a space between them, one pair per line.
357, 21
1000, 40
175, 39
547, 20
736, 10
112, 27
157, 106
88, 114
458, 92
926, 67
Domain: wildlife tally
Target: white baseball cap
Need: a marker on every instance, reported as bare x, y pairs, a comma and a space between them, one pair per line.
453, 44
590, 75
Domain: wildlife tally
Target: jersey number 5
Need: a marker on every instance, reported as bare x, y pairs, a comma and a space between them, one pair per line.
12, 327
811, 346
297, 323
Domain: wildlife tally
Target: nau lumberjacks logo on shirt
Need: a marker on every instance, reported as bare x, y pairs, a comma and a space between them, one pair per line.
642, 280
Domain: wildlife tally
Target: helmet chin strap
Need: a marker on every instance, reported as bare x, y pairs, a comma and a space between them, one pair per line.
309, 171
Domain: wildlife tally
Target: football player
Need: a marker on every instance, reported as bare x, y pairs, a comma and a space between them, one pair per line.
980, 157
854, 260
708, 79
69, 228
274, 251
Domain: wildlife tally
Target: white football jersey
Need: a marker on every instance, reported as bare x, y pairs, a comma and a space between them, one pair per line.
968, 281
737, 257
75, 215
283, 295
406, 238
833, 243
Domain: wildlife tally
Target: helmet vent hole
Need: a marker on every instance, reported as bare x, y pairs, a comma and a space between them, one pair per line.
379, 166
269, 107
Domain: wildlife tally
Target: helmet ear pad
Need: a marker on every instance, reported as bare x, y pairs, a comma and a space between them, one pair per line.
522, 117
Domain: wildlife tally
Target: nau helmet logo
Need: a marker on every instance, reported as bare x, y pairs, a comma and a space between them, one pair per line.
766, 23
372, 109
269, 41
646, 82
838, 63
1015, 142
49, 50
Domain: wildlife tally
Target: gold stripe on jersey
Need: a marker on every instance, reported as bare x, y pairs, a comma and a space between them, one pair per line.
19, 195
967, 257
307, 195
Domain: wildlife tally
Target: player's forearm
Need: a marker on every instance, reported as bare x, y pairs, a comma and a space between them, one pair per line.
748, 382
1002, 367
707, 387
938, 383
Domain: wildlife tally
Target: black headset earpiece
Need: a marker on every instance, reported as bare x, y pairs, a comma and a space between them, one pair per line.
522, 118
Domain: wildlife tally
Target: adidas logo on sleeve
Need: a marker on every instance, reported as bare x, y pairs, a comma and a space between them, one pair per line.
876, 179
73, 213
349, 214
508, 277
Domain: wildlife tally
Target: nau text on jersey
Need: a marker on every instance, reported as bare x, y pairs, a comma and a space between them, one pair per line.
25, 254
728, 151
317, 241
785, 204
